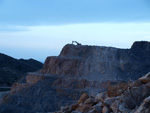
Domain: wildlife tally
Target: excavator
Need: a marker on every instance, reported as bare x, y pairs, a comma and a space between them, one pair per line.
75, 42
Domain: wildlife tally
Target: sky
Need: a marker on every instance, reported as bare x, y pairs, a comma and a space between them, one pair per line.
40, 28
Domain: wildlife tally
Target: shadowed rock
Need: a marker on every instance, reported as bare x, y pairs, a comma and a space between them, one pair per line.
13, 69
82, 68
134, 99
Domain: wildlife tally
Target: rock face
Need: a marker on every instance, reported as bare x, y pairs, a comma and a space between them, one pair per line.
101, 63
134, 99
12, 69
145, 79
88, 70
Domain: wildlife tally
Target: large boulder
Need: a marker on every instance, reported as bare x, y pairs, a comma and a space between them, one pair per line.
135, 98
144, 107
118, 89
83, 98
146, 78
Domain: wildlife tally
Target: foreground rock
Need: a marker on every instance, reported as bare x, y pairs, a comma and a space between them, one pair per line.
11, 70
134, 99
87, 70
145, 79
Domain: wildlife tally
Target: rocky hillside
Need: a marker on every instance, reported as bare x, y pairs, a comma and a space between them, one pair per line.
78, 69
101, 63
12, 69
131, 97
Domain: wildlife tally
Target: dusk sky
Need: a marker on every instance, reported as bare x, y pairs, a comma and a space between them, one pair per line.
40, 28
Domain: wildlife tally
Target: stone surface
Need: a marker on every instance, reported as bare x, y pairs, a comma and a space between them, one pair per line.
144, 107
88, 101
101, 96
38, 97
82, 68
84, 108
74, 107
33, 79
118, 89
134, 99
105, 110
108, 101
101, 63
136, 83
98, 107
83, 98
115, 106
134, 96
145, 79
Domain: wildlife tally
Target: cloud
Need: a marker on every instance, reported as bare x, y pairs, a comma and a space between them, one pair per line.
56, 12
13, 28
49, 40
